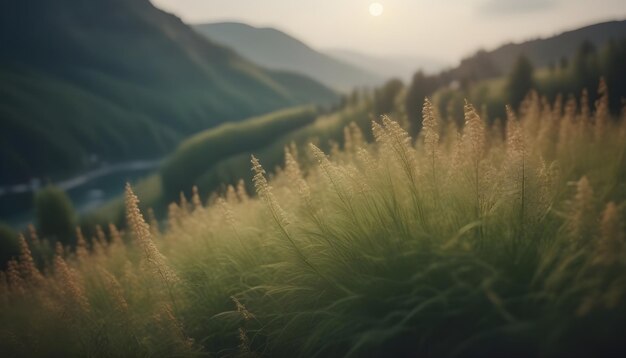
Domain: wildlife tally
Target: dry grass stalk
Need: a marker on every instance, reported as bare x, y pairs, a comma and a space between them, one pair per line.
227, 212
154, 223
348, 144
32, 234
82, 253
143, 236
231, 195
430, 127
585, 112
242, 310
242, 193
244, 341
335, 177
602, 114
515, 147
244, 344
611, 244
167, 321
174, 216
183, 204
265, 192
115, 290
16, 283
473, 134
71, 286
292, 170
195, 199
356, 135
28, 269
473, 141
581, 209
116, 237
101, 237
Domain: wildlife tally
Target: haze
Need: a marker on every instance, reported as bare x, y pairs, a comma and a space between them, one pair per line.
443, 29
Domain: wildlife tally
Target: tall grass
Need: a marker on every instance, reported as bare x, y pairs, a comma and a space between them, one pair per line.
478, 241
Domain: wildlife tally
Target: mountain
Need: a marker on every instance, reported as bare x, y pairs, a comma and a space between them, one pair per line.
112, 80
275, 49
541, 52
402, 67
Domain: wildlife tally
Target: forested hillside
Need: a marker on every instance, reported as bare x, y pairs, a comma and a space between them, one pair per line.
117, 80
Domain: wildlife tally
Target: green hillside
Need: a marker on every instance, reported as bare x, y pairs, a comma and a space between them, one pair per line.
272, 48
220, 156
119, 79
199, 153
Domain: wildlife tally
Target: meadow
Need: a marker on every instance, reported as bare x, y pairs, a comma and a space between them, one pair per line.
503, 239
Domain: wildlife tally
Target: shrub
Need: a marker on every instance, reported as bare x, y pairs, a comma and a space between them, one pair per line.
9, 246
55, 214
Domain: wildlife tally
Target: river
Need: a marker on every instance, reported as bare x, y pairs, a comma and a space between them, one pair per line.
88, 190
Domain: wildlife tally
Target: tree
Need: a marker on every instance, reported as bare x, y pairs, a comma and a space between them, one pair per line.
520, 81
563, 63
585, 66
385, 97
421, 87
55, 214
613, 59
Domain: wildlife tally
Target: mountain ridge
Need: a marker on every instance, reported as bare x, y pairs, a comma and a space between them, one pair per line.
275, 49
541, 51
402, 67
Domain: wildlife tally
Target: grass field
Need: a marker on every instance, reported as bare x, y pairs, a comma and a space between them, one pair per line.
483, 241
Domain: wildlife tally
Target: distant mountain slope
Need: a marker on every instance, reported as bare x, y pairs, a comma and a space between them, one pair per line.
541, 52
118, 79
402, 67
274, 49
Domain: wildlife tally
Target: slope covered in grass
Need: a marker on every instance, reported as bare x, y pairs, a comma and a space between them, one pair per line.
464, 244
200, 152
121, 80
327, 132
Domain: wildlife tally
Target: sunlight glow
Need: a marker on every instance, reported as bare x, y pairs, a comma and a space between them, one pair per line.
376, 9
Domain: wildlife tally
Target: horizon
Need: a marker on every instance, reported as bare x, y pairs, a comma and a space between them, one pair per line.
384, 35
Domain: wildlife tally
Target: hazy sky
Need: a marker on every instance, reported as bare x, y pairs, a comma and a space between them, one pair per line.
443, 29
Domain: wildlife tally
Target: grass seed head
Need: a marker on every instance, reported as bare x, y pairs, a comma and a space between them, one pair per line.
82, 252
28, 269
611, 244
143, 236
71, 286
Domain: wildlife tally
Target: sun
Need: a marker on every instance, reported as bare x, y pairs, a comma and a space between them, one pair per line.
376, 9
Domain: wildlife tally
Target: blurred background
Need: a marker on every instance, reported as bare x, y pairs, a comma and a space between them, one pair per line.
172, 94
